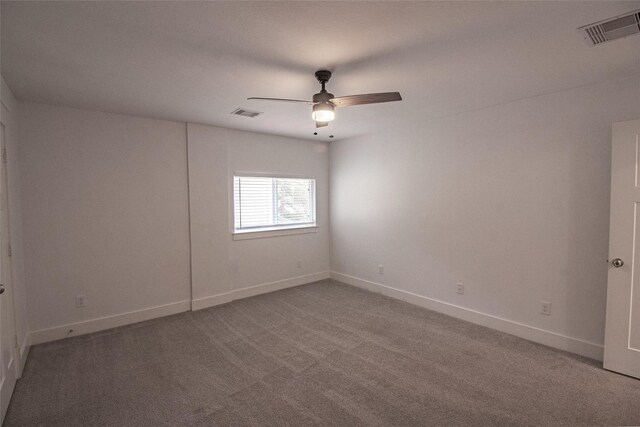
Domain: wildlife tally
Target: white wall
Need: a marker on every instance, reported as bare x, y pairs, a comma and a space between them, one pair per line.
105, 213
9, 118
107, 205
511, 200
222, 267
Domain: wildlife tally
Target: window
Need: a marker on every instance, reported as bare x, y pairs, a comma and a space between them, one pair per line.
264, 203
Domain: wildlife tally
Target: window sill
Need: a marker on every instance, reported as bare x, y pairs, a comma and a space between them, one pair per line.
245, 235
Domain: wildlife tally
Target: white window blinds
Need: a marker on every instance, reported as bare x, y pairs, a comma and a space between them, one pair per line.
271, 203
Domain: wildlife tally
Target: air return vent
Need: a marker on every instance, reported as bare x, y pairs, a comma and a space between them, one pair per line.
245, 113
614, 28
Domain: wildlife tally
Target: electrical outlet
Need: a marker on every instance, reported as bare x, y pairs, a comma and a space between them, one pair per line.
545, 308
380, 269
81, 301
460, 288
299, 263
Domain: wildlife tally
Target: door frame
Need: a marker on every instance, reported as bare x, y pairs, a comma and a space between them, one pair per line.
7, 383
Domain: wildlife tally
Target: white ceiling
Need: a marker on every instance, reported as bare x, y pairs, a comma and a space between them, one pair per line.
198, 61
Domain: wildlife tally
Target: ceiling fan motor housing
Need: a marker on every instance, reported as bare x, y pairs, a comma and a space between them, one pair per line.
323, 108
323, 97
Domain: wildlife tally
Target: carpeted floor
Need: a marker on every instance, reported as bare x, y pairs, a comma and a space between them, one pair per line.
319, 354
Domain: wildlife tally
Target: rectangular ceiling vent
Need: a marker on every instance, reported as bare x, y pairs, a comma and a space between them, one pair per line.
245, 113
614, 28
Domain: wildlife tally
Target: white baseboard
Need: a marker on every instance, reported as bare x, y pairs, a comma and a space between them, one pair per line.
213, 300
107, 322
531, 333
23, 352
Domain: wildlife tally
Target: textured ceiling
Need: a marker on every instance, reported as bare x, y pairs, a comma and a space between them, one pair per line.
198, 61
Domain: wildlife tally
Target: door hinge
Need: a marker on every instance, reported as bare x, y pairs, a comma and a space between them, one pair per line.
10, 251
4, 155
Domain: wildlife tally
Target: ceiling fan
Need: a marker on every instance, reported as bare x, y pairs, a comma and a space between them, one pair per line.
324, 103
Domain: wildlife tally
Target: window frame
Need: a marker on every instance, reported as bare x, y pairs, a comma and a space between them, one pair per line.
280, 230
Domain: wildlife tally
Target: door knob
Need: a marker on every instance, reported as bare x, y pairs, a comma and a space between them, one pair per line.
617, 262
1, 289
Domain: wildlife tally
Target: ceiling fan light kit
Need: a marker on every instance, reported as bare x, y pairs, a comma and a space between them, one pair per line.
323, 112
324, 103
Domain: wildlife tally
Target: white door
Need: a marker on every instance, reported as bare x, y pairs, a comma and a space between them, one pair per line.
622, 333
8, 361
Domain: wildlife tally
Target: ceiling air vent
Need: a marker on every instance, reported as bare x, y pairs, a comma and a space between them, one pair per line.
614, 28
245, 113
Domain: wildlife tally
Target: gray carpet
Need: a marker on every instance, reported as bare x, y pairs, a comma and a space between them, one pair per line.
319, 354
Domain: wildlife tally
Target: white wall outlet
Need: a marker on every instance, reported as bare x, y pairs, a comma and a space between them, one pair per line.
460, 288
380, 269
545, 308
81, 301
299, 263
